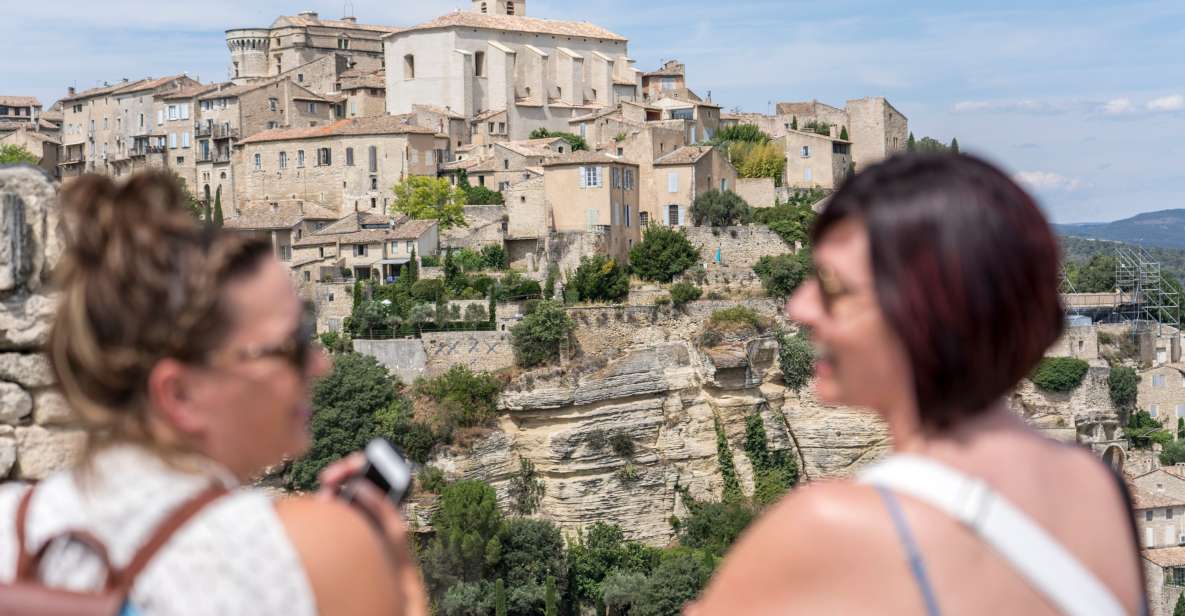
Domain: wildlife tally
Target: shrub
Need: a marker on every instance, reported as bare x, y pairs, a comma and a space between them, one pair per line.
720, 209
465, 599
480, 195
600, 278
683, 293
664, 300
781, 274
627, 473
515, 286
428, 290
526, 490
741, 132
1122, 384
678, 578
1173, 453
663, 253
537, 338
598, 551
425, 197
714, 527
469, 260
710, 338
622, 444
465, 397
430, 261
431, 480
493, 256
344, 406
11, 154
1059, 374
596, 439
796, 357
336, 342
738, 316
530, 551
728, 470
475, 313
622, 590
465, 546
415, 438
1143, 430
575, 141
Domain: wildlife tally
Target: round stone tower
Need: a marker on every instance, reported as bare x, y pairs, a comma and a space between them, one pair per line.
248, 53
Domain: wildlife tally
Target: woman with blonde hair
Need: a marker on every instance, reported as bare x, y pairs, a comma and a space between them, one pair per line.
188, 356
935, 294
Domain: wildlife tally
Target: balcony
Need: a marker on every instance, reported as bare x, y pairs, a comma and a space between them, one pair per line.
146, 150
214, 157
215, 131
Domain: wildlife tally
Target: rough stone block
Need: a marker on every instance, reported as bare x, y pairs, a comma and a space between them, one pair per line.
25, 321
7, 450
42, 451
15, 403
50, 408
28, 369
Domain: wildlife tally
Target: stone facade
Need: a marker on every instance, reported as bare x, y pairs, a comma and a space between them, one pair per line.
876, 128
594, 193
1081, 342
1161, 392
757, 192
294, 41
38, 434
740, 247
816, 161
681, 176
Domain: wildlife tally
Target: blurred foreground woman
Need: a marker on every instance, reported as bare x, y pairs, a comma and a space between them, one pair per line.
187, 354
935, 294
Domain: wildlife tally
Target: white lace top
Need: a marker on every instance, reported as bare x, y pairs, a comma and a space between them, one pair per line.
233, 557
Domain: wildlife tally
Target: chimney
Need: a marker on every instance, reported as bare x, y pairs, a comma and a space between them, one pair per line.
309, 14
351, 19
70, 91
125, 80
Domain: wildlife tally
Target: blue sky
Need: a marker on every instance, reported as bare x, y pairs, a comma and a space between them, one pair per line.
1083, 101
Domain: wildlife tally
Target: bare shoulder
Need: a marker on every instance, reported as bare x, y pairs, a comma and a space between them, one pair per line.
801, 546
343, 554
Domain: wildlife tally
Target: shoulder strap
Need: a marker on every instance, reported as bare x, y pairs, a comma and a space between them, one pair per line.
24, 560
1029, 549
164, 531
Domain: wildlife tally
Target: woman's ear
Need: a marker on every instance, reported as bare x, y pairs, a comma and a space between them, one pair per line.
171, 399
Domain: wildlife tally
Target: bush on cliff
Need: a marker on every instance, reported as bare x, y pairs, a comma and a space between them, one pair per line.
1059, 374
662, 254
720, 209
796, 357
781, 274
537, 338
683, 293
600, 278
464, 398
1122, 383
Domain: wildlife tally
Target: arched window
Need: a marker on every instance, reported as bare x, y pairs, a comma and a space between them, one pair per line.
483, 7
510, 8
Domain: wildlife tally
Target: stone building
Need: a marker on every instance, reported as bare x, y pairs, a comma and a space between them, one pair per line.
363, 246
492, 60
346, 166
504, 164
593, 193
17, 112
1161, 392
816, 161
284, 223
301, 40
44, 146
446, 122
670, 78
679, 178
365, 93
116, 128
1158, 503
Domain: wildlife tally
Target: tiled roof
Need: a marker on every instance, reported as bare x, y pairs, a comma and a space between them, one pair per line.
411, 230
187, 92
19, 101
514, 23
32, 134
487, 114
147, 84
354, 222
375, 125
373, 79
305, 21
283, 216
1147, 499
466, 165
440, 110
1165, 557
583, 157
532, 147
232, 91
99, 91
666, 72
685, 155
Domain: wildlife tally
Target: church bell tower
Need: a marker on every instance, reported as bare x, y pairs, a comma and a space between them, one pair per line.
501, 7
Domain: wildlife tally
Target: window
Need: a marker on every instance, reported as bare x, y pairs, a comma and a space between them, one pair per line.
409, 66
307, 277
510, 8
491, 128
806, 175
1168, 513
271, 125
501, 128
173, 112
374, 158
172, 141
409, 246
273, 104
1158, 380
141, 120
673, 215
672, 181
723, 184
627, 215
300, 77
185, 139
643, 219
1148, 516
615, 175
359, 250
806, 151
506, 163
343, 43
591, 177
283, 160
324, 157
374, 183
312, 107
483, 7
374, 202
321, 251
285, 253
180, 160
299, 158
1154, 409
479, 63
629, 179
349, 157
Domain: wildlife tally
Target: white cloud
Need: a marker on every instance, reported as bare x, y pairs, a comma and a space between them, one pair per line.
1174, 102
1118, 106
1048, 180
1026, 105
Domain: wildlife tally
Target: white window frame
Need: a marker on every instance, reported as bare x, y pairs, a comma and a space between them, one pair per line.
805, 152
672, 181
592, 177
258, 161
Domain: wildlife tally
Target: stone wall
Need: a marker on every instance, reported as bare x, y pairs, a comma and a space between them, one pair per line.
757, 192
739, 246
479, 351
483, 226
1081, 342
38, 434
405, 357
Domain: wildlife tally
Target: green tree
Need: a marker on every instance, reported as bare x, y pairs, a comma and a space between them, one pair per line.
1179, 609
465, 546
576, 142
536, 339
599, 550
12, 154
550, 604
621, 591
794, 123
1181, 428
714, 527
1143, 430
774, 472
1059, 374
818, 127
424, 198
413, 268
1173, 453
465, 599
1122, 382
600, 278
728, 470
911, 145
475, 314
684, 292
791, 220
531, 551
493, 256
758, 160
463, 397
218, 207
1095, 276
663, 253
344, 406
748, 133
843, 133
796, 358
720, 209
499, 597
954, 146
526, 489
678, 578
549, 285
781, 274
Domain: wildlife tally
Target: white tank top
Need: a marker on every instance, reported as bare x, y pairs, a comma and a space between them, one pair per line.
233, 557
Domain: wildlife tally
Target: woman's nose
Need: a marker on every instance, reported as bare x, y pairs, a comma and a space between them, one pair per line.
805, 305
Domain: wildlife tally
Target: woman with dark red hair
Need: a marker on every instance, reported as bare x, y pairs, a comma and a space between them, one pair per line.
936, 293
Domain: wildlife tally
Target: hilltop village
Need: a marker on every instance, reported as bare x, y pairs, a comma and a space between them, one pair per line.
572, 267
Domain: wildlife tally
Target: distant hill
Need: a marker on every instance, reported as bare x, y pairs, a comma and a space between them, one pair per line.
1165, 228
1080, 250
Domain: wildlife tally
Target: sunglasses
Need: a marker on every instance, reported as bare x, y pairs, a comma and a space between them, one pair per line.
831, 289
296, 350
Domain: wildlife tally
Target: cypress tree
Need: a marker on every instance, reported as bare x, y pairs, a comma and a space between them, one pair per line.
911, 145
954, 145
843, 133
1179, 610
493, 304
549, 600
794, 123
413, 268
499, 597
218, 207
1180, 428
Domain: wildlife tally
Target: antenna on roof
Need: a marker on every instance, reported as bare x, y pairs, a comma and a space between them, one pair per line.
348, 9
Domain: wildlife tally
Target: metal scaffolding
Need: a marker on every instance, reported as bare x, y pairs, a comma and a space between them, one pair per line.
1141, 296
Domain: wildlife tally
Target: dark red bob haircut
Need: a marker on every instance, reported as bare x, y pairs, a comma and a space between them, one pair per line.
966, 271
